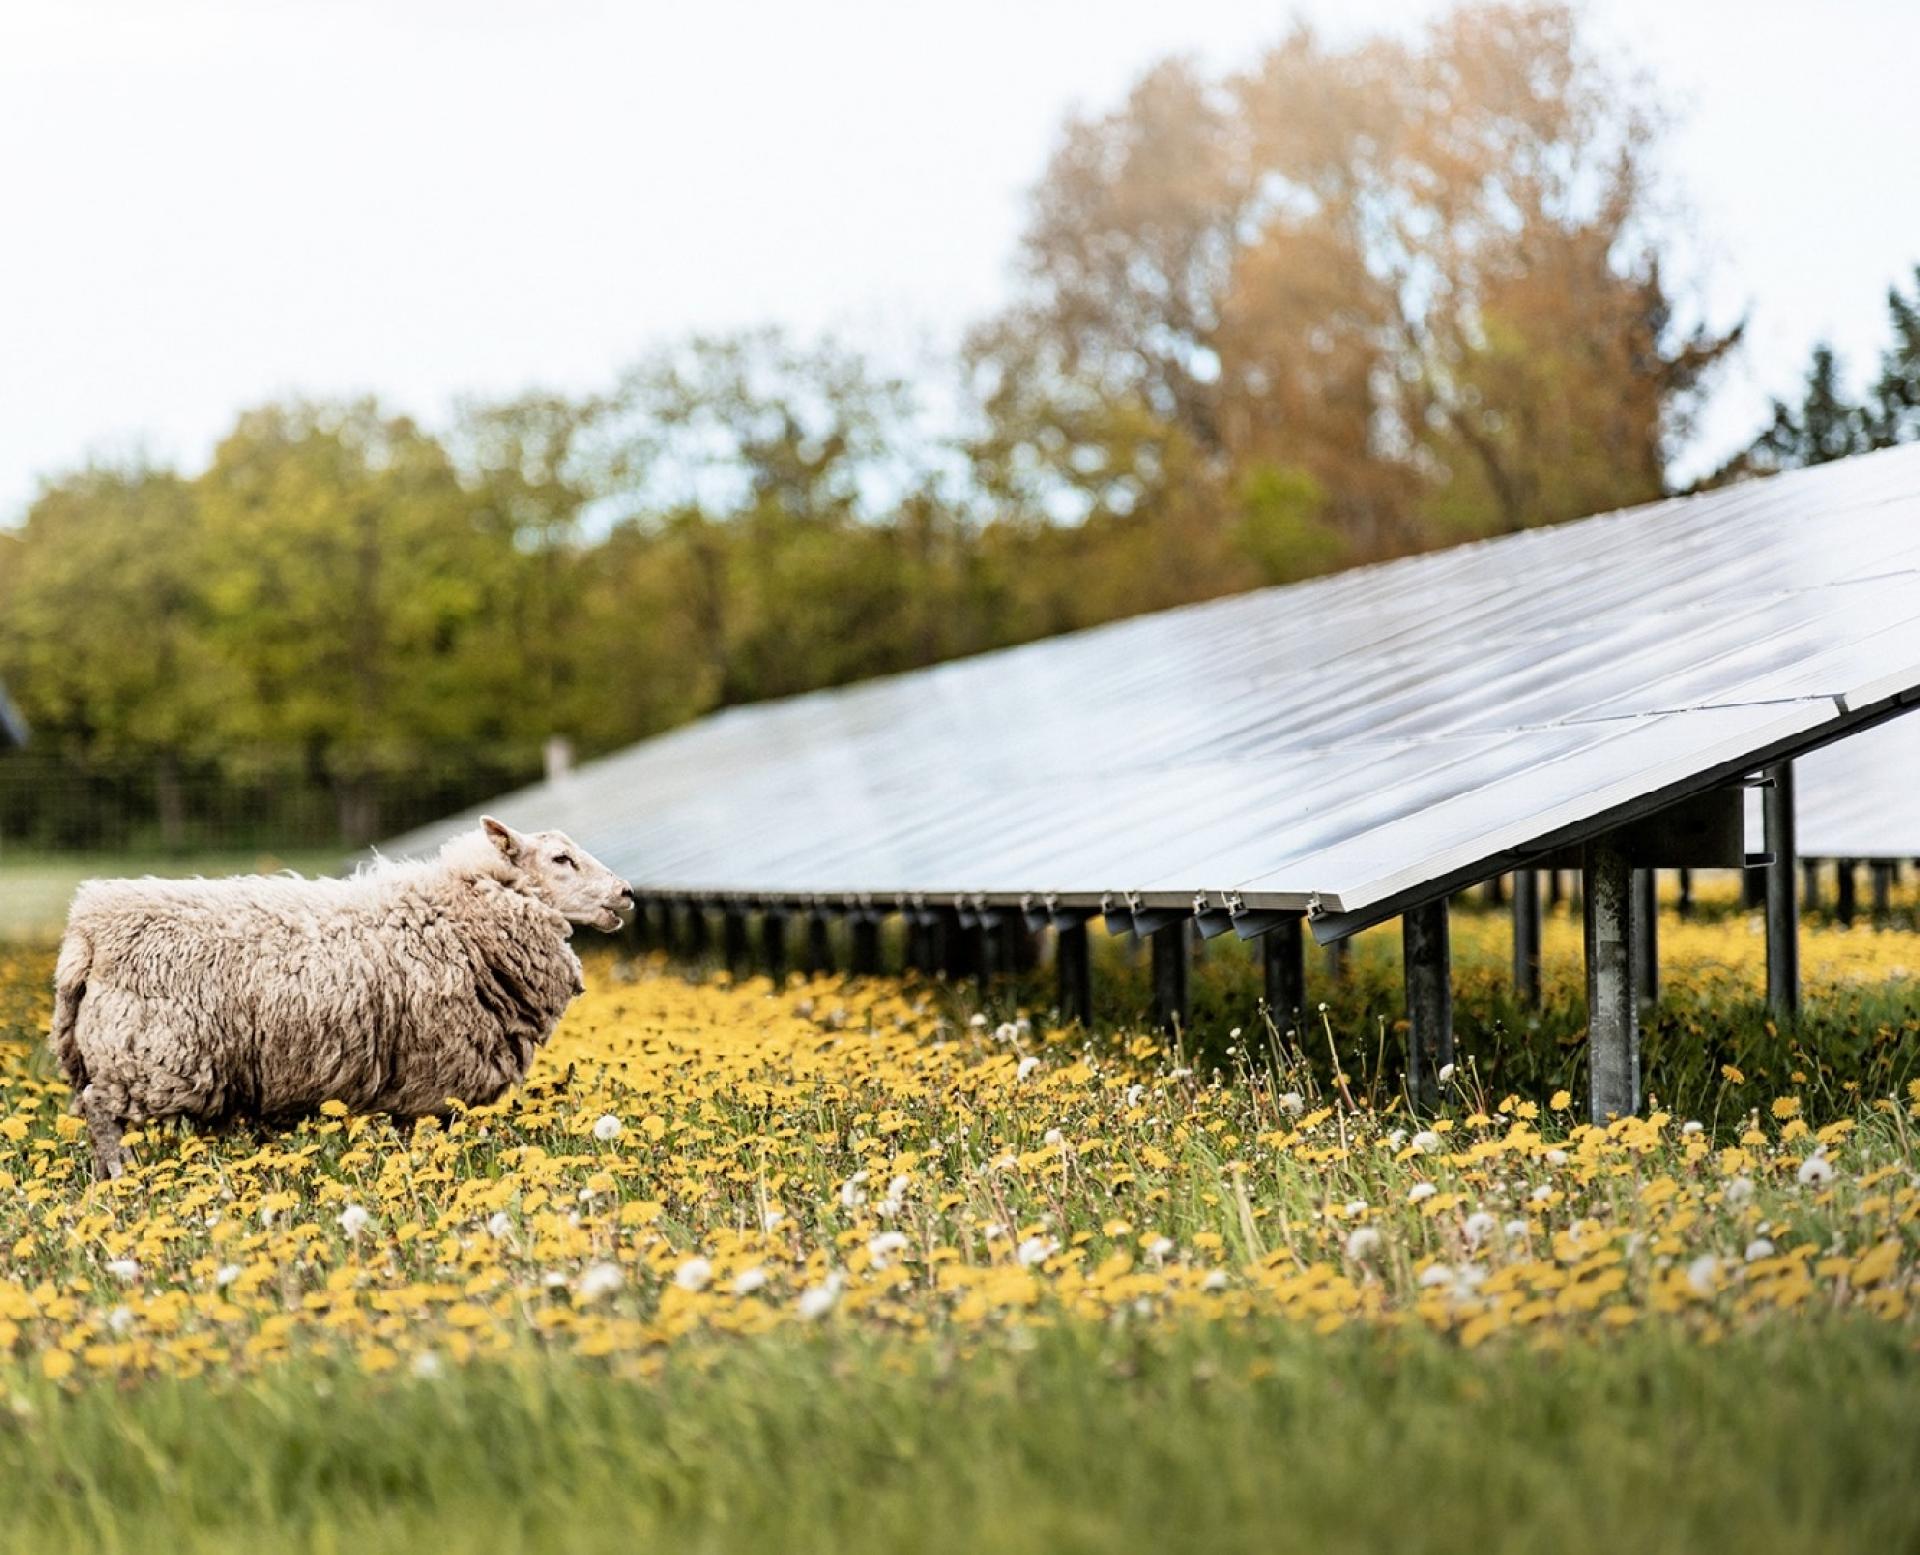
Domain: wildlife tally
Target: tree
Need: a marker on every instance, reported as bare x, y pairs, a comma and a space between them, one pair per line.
1828, 424
102, 628
1894, 415
347, 587
1416, 285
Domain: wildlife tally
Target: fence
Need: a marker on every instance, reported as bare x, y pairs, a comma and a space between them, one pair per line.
271, 801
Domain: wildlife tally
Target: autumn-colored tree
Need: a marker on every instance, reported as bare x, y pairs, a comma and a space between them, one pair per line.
1414, 287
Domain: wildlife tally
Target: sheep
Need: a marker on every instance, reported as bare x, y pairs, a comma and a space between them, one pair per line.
404, 987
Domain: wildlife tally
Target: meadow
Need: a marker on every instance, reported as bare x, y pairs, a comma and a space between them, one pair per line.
859, 1265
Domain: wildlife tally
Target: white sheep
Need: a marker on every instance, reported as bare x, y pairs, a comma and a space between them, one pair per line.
404, 986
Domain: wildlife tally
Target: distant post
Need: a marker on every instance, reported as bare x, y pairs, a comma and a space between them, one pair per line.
865, 959
1613, 1018
773, 944
1172, 953
1783, 912
1427, 956
733, 939
1845, 897
1526, 938
819, 944
1646, 937
1882, 889
1283, 964
1073, 968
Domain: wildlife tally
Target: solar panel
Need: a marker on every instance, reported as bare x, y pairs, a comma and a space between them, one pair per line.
1860, 798
1351, 744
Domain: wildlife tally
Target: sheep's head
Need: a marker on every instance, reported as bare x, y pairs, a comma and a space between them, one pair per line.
557, 870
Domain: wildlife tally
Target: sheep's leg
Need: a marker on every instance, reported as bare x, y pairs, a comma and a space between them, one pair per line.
109, 1160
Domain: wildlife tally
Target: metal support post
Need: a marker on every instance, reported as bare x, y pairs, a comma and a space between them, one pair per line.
1427, 957
819, 944
1646, 940
865, 958
773, 944
1172, 953
1845, 897
699, 930
1613, 1017
1685, 904
1283, 961
1073, 967
1783, 912
733, 939
1882, 889
1526, 938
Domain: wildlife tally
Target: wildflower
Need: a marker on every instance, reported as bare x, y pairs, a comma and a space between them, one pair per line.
1159, 1249
1134, 1093
1354, 1207
1541, 1194
1738, 1191
606, 1128
852, 1193
882, 1247
1362, 1243
1558, 1157
1435, 1274
1759, 1248
747, 1281
1426, 1142
694, 1274
1027, 1067
600, 1279
1479, 1227
816, 1301
125, 1270
225, 1275
770, 1221
1446, 1074
354, 1220
1421, 1191
1816, 1171
1559, 1101
1292, 1103
1216, 1280
1703, 1274
499, 1223
426, 1365
1692, 1127
1517, 1229
1053, 1136
1035, 1250
977, 1022
1006, 1031
120, 1319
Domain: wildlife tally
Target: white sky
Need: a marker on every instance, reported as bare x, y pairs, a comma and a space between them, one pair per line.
205, 204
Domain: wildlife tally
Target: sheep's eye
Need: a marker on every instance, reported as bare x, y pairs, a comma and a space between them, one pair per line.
565, 858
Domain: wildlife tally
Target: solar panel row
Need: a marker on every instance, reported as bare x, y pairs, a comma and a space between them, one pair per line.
1350, 746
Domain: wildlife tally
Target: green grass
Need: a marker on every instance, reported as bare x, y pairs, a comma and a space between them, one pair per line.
1258, 1438
35, 888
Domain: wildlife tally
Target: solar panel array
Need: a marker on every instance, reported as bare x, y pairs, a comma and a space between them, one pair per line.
1349, 744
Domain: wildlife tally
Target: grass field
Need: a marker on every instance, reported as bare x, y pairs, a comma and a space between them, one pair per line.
842, 1267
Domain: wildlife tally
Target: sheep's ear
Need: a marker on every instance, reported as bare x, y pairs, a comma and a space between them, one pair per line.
502, 836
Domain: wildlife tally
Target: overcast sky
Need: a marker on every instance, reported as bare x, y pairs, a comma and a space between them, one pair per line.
207, 204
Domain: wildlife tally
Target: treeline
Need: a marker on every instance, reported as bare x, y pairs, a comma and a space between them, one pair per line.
1342, 305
